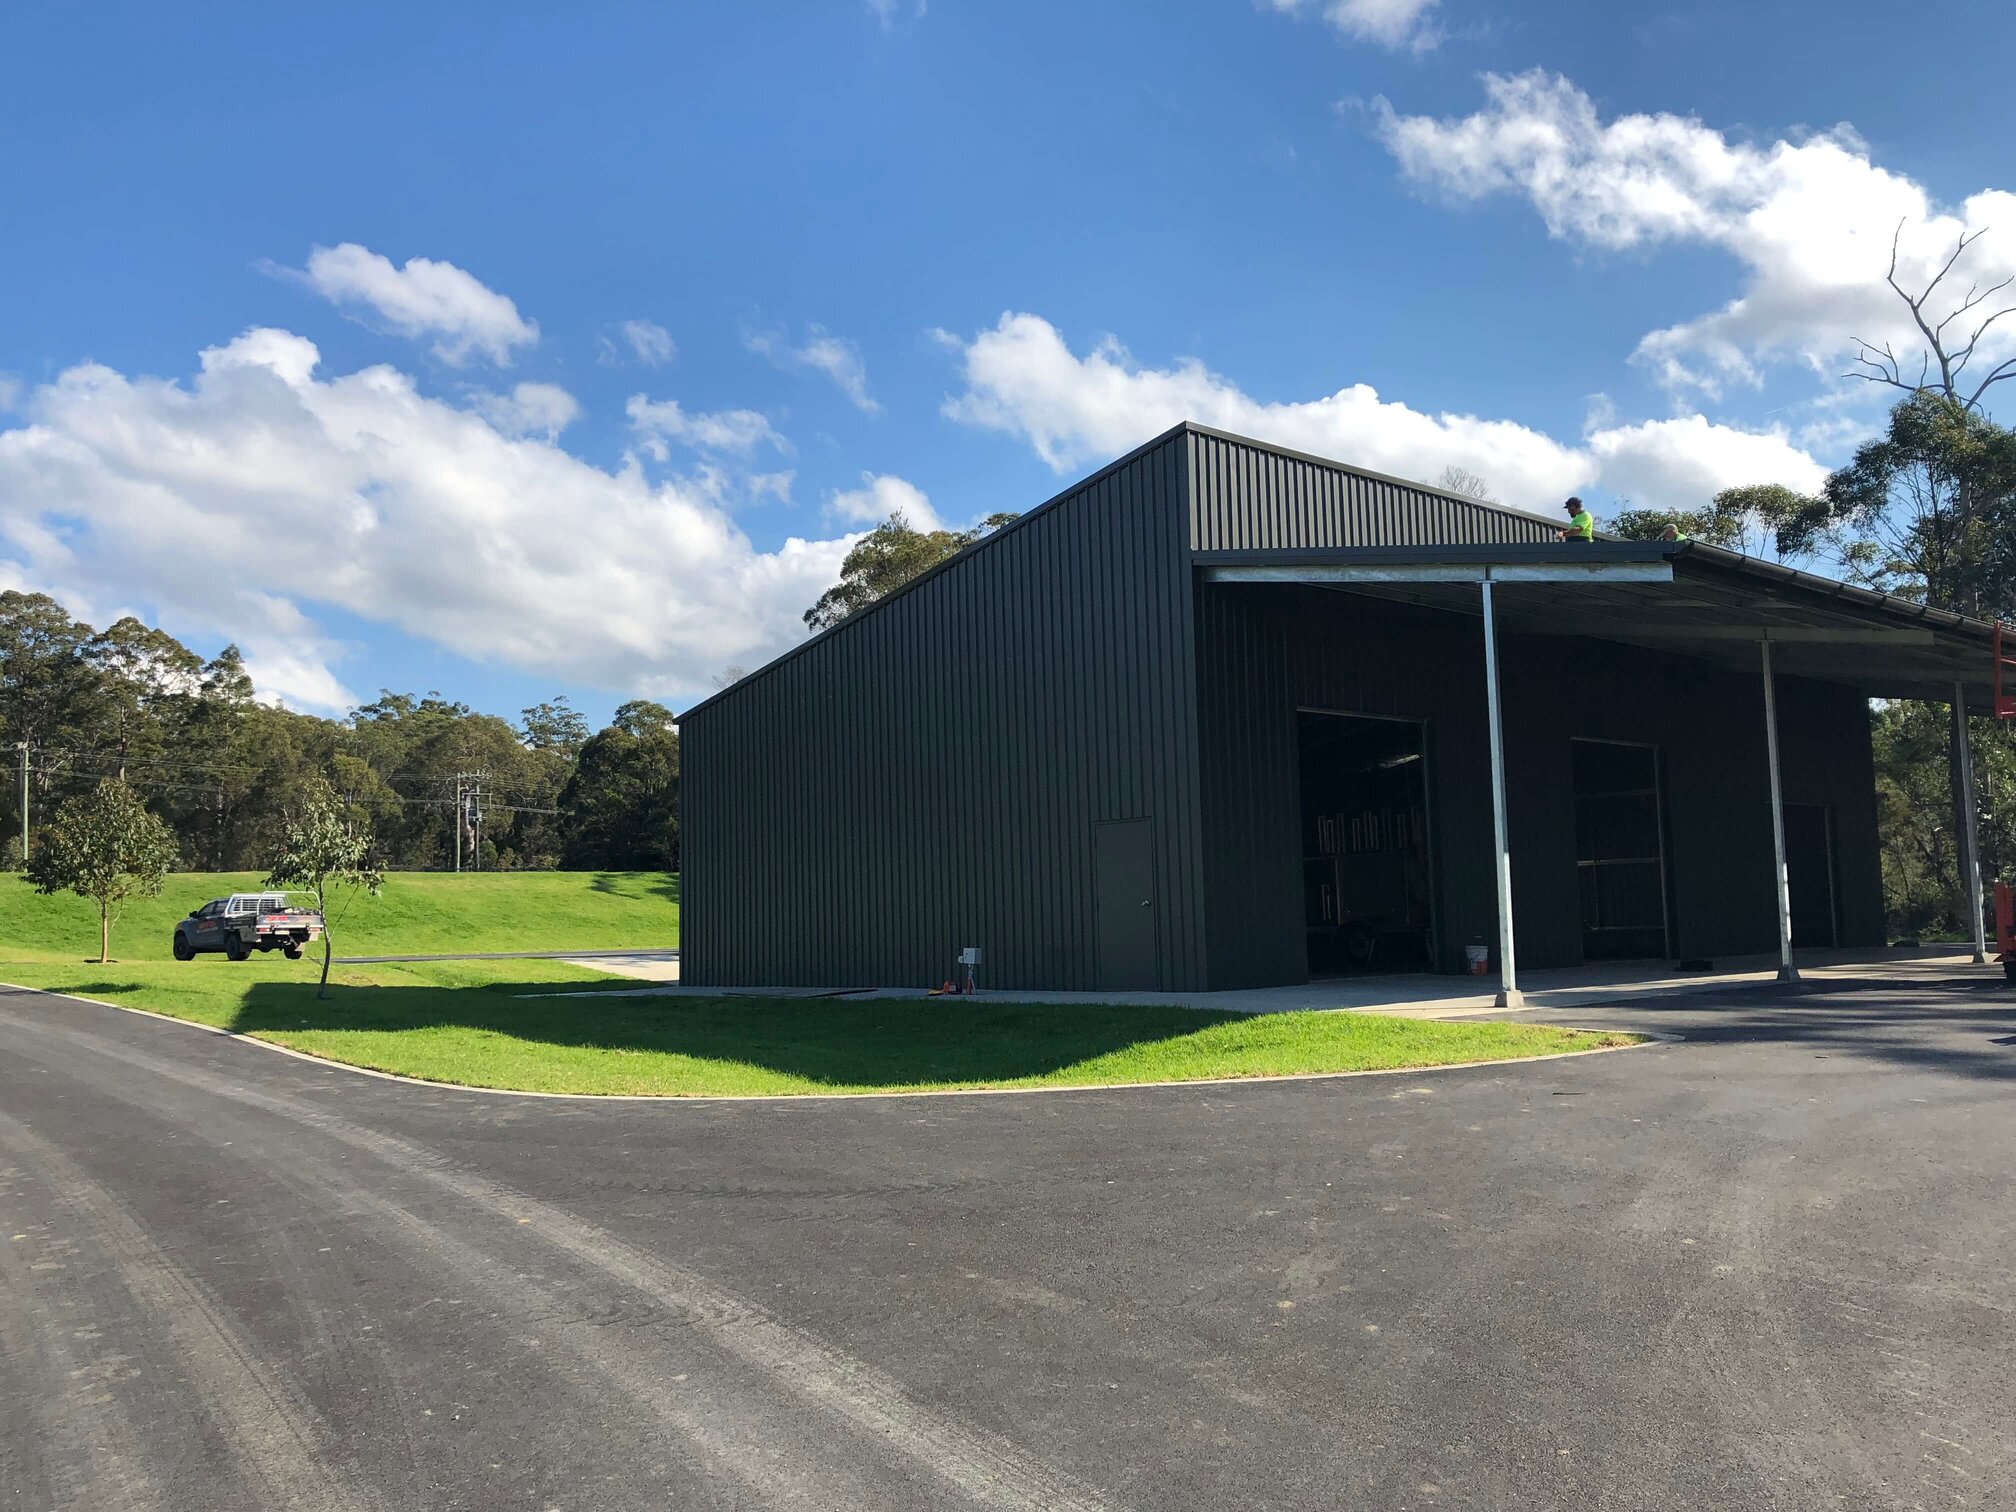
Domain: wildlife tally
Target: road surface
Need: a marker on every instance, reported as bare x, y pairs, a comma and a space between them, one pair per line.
1769, 1266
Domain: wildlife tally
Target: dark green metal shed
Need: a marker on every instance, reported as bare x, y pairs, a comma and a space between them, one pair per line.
1075, 744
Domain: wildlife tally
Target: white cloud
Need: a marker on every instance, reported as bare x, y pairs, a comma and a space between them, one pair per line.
1810, 220
530, 409
1390, 23
395, 507
1685, 462
287, 658
1022, 379
657, 421
822, 352
889, 12
422, 298
880, 496
651, 342
10, 390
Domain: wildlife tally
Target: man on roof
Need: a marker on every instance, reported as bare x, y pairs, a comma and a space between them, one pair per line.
1581, 524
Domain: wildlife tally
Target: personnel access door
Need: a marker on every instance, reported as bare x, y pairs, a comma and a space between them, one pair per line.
1123, 898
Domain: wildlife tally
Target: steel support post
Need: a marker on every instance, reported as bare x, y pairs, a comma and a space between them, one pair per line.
1508, 974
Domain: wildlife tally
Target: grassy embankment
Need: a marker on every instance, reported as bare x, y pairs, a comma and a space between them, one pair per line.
470, 1021
420, 913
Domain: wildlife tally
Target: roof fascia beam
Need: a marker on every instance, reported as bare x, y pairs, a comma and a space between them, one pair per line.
1784, 635
1445, 572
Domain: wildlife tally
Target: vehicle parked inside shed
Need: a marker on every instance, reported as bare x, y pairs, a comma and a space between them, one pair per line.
245, 922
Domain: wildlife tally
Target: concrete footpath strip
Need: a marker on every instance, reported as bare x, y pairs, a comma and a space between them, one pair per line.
1412, 995
603, 958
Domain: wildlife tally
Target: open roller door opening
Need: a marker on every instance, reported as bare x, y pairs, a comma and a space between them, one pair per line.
1368, 897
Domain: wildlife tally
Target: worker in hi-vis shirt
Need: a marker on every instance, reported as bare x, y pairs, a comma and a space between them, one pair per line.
1581, 524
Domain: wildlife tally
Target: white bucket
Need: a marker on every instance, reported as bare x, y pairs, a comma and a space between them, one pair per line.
1478, 958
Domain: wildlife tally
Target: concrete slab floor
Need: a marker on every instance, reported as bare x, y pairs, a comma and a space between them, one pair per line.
1416, 995
645, 965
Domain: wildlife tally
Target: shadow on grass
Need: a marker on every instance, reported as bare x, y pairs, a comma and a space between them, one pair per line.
885, 1042
666, 886
1961, 1030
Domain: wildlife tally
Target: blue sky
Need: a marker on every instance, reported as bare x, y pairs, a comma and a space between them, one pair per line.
580, 338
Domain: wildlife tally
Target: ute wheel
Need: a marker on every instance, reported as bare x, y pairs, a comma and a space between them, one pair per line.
184, 951
293, 952
235, 950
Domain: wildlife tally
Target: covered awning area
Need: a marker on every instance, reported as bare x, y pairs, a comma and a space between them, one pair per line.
1684, 598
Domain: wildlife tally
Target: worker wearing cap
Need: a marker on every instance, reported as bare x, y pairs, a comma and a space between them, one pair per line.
1581, 524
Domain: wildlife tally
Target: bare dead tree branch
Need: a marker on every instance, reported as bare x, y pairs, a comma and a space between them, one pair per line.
2004, 369
1881, 364
1975, 295
1967, 352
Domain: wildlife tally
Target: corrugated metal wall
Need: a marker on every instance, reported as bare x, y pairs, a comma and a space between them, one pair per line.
1250, 498
1246, 734
928, 775
1264, 651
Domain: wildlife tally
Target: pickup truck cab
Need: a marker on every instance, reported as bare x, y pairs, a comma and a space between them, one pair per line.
245, 922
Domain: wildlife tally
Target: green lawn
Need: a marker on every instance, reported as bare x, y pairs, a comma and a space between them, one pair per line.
466, 1021
419, 913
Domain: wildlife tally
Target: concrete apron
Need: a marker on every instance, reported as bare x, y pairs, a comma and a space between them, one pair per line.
1419, 995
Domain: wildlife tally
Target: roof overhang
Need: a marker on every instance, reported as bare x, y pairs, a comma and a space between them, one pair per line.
1681, 597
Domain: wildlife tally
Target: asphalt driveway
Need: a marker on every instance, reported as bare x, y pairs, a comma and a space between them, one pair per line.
1769, 1266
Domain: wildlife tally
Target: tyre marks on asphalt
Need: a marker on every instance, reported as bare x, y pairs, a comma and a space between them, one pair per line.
1773, 1373
667, 1416
70, 1446
279, 1443
981, 1468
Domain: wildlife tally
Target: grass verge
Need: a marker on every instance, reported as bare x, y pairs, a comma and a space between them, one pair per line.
465, 1021
419, 913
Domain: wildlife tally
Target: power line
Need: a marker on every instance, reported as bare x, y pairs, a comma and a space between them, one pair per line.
159, 785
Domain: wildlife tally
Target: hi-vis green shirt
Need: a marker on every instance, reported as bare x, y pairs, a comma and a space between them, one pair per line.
1582, 526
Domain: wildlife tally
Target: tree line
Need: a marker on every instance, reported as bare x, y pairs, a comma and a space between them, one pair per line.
227, 774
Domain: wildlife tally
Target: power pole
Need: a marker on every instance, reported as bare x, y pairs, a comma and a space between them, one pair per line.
476, 823
469, 817
22, 747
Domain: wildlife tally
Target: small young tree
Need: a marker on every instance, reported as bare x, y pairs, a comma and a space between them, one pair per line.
324, 848
105, 846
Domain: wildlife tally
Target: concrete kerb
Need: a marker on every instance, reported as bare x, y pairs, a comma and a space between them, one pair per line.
1646, 1037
